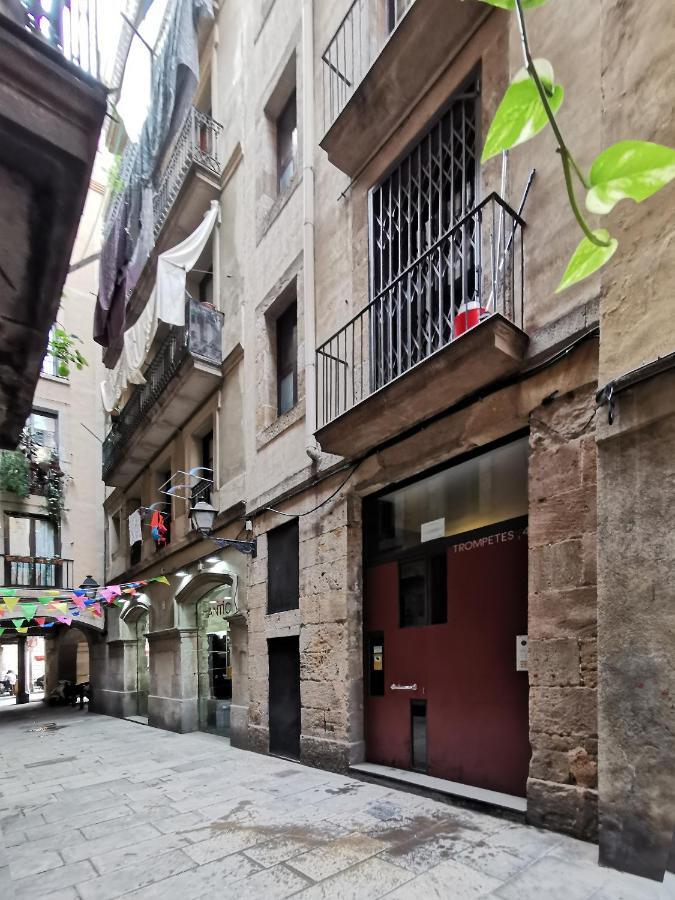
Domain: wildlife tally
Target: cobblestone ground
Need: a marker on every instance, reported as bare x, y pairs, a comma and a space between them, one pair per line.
98, 808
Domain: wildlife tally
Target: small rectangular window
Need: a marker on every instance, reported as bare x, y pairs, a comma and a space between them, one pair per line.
44, 428
287, 359
422, 591
287, 144
203, 490
283, 568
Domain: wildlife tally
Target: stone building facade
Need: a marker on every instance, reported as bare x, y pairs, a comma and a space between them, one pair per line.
326, 149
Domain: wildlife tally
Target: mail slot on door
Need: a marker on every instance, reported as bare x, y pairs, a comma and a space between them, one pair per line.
403, 687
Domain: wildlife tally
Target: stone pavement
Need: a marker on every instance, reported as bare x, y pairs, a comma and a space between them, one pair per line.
98, 808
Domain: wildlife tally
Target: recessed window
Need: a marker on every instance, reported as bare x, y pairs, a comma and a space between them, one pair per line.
283, 568
203, 490
44, 428
287, 359
287, 144
206, 288
422, 591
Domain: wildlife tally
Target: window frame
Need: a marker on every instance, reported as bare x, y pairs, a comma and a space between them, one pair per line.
428, 559
285, 368
287, 150
47, 414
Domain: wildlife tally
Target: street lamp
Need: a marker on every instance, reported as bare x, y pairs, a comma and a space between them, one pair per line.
202, 516
90, 586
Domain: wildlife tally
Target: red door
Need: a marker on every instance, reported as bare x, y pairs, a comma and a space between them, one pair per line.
454, 685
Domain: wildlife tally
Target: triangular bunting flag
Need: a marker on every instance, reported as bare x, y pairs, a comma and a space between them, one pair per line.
2, 631
59, 606
96, 609
40, 620
49, 624
7, 592
17, 623
79, 602
28, 609
10, 603
161, 578
65, 620
22, 630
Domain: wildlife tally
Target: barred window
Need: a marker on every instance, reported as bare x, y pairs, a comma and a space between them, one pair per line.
423, 258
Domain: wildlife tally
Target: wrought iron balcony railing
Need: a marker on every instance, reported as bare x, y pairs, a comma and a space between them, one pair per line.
470, 273
70, 26
200, 338
198, 144
37, 572
354, 48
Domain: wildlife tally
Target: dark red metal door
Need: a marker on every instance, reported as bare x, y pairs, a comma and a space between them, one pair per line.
465, 670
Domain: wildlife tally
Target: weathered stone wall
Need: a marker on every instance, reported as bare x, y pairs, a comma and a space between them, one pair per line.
562, 787
328, 623
636, 618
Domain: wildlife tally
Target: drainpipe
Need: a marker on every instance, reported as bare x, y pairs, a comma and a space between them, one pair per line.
311, 446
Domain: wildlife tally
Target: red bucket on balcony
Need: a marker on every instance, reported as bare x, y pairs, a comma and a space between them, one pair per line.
468, 316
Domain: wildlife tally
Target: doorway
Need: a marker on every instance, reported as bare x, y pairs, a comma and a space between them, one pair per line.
444, 605
284, 696
215, 661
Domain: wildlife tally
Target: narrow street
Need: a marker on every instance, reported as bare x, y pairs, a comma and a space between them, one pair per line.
96, 808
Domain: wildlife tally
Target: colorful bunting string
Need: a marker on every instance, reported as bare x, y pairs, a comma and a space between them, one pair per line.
66, 606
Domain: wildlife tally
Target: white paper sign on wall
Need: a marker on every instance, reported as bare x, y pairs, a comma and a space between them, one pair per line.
429, 531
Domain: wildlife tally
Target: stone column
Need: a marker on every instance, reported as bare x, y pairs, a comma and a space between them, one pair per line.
239, 707
173, 697
636, 629
22, 695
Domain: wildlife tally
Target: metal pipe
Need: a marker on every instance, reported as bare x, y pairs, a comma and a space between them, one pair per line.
311, 446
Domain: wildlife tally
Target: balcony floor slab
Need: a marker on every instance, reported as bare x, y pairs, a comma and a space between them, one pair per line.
492, 350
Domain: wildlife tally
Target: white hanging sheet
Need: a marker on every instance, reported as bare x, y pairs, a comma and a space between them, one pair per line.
166, 304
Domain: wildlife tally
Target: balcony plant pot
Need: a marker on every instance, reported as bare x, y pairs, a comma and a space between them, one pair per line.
468, 316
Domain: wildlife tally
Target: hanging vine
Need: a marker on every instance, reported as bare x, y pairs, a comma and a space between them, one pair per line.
628, 169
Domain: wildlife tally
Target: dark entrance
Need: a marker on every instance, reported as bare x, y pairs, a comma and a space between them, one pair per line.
444, 605
284, 696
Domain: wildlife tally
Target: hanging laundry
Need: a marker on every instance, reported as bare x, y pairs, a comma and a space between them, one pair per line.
135, 527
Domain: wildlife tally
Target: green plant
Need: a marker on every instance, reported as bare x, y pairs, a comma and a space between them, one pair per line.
627, 170
115, 182
62, 347
14, 472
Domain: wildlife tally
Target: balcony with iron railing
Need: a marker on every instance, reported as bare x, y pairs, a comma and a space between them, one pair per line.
196, 151
183, 372
70, 26
377, 65
450, 323
39, 572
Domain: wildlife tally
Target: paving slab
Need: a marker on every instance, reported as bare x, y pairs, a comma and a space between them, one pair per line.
98, 808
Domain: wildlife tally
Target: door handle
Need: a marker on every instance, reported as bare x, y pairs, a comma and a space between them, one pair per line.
403, 687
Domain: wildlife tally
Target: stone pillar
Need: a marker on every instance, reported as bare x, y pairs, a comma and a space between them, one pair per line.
240, 694
22, 695
51, 664
561, 788
636, 627
173, 697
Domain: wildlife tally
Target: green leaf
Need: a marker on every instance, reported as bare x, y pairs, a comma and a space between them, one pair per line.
63, 370
511, 4
635, 169
521, 113
588, 258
